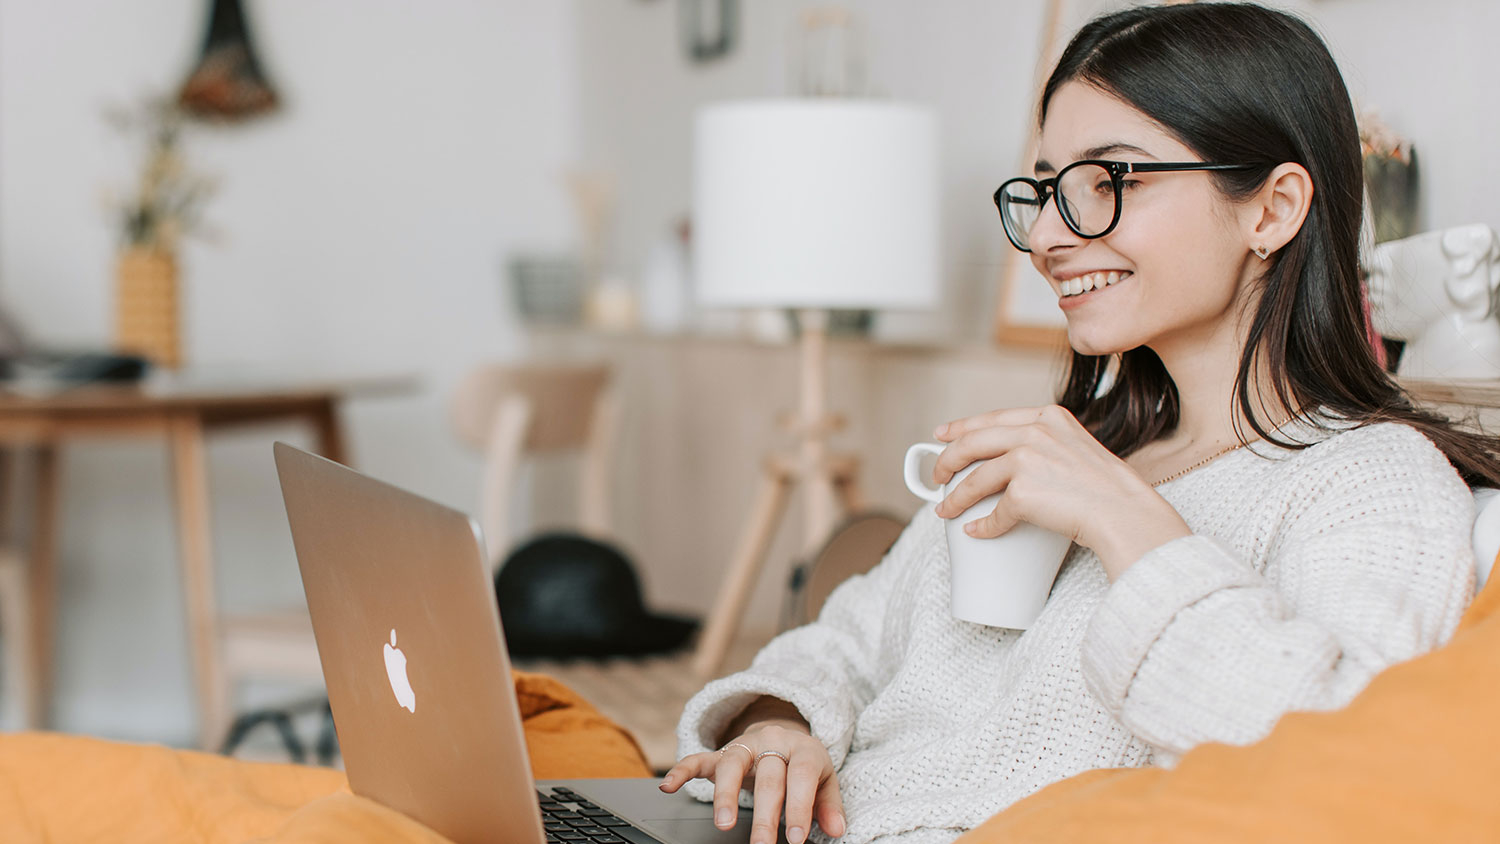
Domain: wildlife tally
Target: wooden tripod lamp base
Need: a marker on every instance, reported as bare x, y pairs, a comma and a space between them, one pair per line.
828, 486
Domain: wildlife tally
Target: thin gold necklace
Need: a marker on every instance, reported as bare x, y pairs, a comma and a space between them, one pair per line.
1209, 459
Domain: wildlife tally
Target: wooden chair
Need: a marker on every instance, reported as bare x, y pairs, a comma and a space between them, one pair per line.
19, 681
511, 412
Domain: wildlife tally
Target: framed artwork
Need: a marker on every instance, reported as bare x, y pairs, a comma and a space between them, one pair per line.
1026, 308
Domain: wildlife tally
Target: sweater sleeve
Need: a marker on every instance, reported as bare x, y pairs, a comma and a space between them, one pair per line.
829, 669
1192, 644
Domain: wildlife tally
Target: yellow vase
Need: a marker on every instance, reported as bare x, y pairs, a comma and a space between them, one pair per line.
147, 306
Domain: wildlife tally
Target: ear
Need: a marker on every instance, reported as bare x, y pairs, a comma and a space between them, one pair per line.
1274, 215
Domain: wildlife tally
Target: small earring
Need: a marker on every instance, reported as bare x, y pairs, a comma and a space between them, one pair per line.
1261, 252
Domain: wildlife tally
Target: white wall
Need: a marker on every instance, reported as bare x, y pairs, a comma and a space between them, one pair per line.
1429, 69
1425, 66
366, 228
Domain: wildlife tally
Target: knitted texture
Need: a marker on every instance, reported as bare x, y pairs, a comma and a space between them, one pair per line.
1308, 572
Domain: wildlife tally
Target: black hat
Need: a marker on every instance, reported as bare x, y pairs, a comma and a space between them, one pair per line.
564, 595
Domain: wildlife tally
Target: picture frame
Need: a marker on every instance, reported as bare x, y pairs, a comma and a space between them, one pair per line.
1026, 312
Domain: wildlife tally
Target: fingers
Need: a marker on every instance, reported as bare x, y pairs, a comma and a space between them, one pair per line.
992, 524
981, 445
729, 776
830, 807
801, 793
807, 788
689, 767
1009, 416
770, 790
990, 477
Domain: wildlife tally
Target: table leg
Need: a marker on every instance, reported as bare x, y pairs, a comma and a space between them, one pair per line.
41, 576
723, 621
6, 462
190, 475
331, 442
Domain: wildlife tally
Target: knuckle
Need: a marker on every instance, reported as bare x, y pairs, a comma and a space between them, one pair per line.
1036, 436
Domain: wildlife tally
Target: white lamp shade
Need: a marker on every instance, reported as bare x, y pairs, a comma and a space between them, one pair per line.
816, 203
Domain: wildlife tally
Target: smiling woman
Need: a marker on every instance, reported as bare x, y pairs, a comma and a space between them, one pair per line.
1261, 519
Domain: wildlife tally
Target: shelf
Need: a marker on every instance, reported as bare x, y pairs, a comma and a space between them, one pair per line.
1473, 392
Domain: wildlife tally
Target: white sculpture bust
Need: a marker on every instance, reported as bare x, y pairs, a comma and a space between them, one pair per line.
1438, 292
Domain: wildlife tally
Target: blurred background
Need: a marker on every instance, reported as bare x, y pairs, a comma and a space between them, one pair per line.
440, 186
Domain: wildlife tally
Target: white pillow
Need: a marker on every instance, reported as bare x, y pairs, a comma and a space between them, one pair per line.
1486, 537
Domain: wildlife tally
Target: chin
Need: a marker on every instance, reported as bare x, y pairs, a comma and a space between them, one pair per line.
1085, 344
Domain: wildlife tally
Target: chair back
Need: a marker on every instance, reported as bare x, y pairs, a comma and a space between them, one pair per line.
511, 412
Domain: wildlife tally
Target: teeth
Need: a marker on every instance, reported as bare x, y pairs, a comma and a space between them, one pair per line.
1092, 281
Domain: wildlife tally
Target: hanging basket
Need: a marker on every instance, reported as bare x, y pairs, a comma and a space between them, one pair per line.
147, 306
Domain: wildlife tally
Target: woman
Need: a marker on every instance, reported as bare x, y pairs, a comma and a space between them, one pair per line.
1262, 519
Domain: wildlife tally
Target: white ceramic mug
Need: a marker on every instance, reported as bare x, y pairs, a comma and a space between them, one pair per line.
1001, 582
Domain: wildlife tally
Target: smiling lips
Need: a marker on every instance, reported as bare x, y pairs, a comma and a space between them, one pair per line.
1091, 281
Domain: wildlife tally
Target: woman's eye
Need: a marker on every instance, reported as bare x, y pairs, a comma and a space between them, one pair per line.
1127, 184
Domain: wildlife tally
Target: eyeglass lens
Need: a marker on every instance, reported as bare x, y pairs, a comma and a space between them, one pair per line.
1085, 197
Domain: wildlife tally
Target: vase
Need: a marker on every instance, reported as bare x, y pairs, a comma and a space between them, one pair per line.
1393, 184
148, 306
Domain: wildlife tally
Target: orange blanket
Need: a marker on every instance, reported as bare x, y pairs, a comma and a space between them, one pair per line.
1415, 757
56, 788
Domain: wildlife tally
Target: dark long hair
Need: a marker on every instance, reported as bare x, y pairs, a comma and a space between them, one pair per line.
1243, 83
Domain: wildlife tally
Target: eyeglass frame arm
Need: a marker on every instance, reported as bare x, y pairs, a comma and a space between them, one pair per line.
1046, 189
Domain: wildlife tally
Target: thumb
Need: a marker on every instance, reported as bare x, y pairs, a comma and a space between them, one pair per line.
991, 524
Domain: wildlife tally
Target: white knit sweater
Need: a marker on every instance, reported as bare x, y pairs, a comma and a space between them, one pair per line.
1308, 572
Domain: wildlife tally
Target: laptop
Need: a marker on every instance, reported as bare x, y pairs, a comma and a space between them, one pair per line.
408, 631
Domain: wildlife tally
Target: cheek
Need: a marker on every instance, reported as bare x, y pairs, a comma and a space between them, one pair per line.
1180, 248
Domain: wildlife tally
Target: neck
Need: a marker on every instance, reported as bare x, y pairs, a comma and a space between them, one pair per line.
1203, 370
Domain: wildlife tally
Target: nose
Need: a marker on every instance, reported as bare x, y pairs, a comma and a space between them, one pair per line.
1050, 233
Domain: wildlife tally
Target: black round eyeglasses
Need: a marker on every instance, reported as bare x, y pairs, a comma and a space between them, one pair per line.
1088, 196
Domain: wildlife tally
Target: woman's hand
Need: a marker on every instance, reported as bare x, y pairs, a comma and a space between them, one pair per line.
1057, 476
806, 781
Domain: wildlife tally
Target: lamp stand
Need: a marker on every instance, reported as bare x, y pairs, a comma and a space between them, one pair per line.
828, 483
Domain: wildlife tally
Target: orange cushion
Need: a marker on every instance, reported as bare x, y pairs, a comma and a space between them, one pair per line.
1415, 757
69, 788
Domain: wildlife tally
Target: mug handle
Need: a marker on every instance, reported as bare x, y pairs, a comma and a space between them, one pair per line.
912, 466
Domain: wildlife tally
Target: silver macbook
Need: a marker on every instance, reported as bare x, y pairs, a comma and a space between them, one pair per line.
418, 677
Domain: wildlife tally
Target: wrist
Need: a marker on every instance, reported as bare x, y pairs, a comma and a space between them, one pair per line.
765, 711
1128, 538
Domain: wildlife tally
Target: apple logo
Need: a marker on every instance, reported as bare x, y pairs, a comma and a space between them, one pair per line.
395, 669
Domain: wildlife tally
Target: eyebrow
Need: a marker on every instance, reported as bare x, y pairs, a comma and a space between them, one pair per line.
1042, 166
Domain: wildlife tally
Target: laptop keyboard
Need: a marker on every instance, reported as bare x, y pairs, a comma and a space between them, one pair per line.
570, 819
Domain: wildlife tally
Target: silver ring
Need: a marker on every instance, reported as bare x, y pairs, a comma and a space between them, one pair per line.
778, 754
738, 744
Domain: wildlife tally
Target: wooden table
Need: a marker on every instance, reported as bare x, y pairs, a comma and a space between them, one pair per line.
182, 408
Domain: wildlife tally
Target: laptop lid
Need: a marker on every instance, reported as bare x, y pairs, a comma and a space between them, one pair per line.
404, 612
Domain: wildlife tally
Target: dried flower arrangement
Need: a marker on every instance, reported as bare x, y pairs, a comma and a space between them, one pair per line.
165, 205
168, 198
1390, 165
